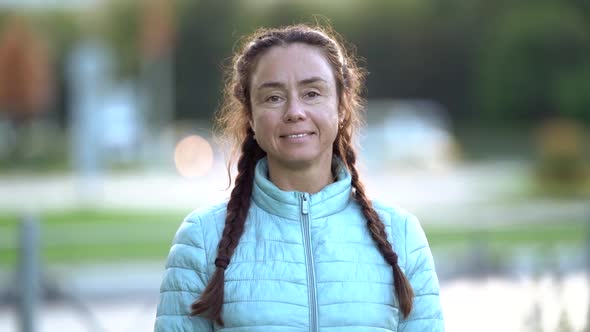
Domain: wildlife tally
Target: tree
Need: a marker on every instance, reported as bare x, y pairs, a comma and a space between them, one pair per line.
533, 62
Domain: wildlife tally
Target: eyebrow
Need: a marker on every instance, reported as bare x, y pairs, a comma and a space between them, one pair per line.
306, 81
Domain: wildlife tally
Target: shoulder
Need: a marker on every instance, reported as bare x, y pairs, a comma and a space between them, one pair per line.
406, 232
200, 223
197, 237
207, 213
397, 217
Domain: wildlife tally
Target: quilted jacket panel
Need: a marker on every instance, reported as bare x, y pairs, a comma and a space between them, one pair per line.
305, 263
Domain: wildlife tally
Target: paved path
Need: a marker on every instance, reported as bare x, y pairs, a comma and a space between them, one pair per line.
474, 194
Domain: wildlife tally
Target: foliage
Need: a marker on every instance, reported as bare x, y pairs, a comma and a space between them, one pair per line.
535, 59
482, 60
121, 30
561, 167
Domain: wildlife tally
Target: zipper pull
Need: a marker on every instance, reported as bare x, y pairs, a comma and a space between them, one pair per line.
304, 203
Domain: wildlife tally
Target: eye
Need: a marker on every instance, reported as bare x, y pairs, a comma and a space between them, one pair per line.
312, 94
273, 99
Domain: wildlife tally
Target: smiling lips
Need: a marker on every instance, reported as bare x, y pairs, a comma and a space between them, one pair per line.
299, 135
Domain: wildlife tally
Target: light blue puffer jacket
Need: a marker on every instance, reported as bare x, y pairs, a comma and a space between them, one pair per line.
305, 263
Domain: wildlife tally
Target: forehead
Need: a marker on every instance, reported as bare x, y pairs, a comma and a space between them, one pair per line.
292, 62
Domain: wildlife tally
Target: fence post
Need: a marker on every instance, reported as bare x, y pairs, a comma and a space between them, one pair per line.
587, 328
29, 286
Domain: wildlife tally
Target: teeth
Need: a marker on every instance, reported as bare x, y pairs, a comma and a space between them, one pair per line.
296, 135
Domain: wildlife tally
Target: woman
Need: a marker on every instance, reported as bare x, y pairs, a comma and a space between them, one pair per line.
298, 246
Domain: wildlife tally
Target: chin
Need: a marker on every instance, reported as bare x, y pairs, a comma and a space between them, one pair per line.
299, 161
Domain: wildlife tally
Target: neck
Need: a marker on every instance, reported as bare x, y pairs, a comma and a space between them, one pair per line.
303, 178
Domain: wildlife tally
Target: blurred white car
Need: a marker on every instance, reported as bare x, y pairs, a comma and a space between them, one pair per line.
409, 133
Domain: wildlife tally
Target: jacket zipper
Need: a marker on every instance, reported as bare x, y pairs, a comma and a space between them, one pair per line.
312, 293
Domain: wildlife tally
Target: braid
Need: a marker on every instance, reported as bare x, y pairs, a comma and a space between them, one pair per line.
211, 301
402, 286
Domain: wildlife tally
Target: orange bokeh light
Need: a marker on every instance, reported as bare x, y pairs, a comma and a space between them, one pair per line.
193, 156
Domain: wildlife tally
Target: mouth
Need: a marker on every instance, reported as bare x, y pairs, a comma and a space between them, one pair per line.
297, 135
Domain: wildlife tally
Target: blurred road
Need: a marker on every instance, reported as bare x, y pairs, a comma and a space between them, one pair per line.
474, 193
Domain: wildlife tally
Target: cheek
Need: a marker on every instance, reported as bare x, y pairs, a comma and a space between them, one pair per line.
263, 126
256, 121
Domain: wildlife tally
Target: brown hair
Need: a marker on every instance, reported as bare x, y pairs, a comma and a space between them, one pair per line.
233, 125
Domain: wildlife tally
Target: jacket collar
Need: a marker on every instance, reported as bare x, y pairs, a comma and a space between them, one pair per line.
331, 199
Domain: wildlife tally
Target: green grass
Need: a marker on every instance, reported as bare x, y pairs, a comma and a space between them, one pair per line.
95, 253
111, 235
89, 235
100, 216
572, 233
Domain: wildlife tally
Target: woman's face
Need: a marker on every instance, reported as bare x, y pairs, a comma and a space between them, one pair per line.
294, 107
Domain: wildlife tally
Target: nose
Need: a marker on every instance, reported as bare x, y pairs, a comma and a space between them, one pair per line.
295, 111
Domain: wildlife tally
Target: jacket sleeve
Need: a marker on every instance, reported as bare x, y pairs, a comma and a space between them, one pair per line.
426, 314
184, 280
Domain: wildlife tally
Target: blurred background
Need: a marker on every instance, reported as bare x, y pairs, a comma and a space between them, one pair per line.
477, 121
